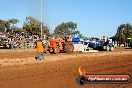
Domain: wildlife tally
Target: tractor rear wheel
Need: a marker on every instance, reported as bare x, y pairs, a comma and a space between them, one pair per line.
56, 49
107, 48
104, 48
69, 47
111, 48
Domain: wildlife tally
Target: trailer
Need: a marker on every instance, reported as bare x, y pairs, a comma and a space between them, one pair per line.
81, 45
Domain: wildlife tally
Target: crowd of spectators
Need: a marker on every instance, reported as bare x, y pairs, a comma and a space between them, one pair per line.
19, 40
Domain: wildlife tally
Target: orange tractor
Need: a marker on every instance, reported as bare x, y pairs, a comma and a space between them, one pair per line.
60, 45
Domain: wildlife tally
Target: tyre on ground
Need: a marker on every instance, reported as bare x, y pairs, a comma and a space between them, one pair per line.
111, 48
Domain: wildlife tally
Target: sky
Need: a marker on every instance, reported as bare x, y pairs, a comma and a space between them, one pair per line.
95, 18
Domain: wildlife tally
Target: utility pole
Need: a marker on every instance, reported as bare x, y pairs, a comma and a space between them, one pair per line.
41, 16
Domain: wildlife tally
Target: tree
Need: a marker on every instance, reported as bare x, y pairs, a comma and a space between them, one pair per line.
124, 31
66, 29
33, 26
13, 21
4, 25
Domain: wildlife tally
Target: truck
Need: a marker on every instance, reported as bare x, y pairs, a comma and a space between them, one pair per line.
102, 45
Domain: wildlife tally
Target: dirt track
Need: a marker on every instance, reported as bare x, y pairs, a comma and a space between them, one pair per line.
60, 71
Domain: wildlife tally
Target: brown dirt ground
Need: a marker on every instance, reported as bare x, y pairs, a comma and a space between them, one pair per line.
61, 70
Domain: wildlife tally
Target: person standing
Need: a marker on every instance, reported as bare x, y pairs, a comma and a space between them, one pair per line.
40, 49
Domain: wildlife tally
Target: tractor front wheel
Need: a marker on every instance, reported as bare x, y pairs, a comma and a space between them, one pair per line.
69, 47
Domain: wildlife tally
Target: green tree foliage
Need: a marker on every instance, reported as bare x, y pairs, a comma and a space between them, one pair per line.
4, 25
33, 26
13, 23
66, 29
124, 31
